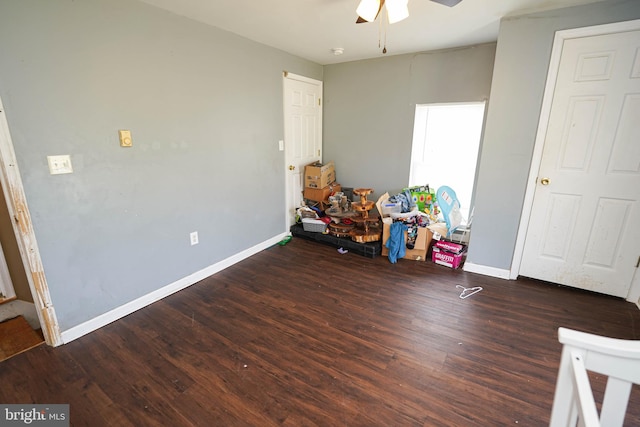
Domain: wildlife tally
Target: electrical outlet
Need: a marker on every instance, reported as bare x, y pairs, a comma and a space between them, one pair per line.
194, 238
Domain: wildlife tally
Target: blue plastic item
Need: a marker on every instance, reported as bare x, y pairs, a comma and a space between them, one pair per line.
450, 207
395, 243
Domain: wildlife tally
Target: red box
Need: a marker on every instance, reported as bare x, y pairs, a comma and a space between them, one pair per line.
446, 258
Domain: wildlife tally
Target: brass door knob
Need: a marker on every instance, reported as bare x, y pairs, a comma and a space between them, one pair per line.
291, 167
545, 181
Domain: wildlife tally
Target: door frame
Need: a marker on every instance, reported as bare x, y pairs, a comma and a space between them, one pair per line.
25, 235
545, 112
286, 77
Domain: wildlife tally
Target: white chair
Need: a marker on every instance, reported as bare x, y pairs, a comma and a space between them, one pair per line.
573, 403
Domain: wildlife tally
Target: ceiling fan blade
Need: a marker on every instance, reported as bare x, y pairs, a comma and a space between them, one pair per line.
361, 20
449, 3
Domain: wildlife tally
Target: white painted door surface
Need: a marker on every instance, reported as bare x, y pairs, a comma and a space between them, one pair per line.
584, 229
302, 134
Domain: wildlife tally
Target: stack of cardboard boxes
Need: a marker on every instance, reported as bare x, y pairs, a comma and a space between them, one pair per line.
320, 183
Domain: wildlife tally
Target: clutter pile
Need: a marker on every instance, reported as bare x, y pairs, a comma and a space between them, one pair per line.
319, 184
411, 219
405, 232
329, 210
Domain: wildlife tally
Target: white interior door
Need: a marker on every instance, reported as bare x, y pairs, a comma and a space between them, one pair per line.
584, 229
302, 134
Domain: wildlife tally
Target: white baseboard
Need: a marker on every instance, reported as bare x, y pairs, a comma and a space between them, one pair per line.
487, 271
128, 308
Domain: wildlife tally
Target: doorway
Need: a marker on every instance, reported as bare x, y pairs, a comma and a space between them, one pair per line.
20, 219
582, 207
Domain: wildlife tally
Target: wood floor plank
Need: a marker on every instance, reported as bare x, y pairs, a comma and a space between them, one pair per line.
17, 336
299, 335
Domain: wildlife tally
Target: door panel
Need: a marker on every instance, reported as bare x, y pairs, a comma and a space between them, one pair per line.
583, 230
625, 158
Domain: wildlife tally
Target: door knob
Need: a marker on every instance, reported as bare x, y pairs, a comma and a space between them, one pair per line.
291, 167
545, 181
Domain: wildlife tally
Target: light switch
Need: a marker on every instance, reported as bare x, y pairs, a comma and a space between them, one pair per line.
125, 138
60, 164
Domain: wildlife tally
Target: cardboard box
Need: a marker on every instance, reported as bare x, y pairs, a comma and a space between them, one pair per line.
317, 175
419, 252
446, 258
321, 194
445, 245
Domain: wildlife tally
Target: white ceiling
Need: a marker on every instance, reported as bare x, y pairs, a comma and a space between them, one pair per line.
312, 28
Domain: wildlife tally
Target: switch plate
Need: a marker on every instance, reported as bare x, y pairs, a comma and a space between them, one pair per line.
194, 238
60, 164
125, 138
281, 145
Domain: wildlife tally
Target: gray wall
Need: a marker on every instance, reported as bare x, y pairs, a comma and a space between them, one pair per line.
370, 105
205, 111
519, 77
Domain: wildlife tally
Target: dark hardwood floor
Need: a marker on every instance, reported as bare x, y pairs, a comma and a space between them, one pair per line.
299, 335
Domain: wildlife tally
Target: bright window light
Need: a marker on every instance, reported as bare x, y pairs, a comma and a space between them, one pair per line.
446, 140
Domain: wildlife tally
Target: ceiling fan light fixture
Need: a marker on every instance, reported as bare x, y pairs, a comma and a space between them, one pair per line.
368, 9
397, 10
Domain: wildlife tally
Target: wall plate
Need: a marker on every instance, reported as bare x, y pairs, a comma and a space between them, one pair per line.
60, 164
125, 138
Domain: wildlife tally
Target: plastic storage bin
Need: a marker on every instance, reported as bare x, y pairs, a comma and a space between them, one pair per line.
314, 225
389, 208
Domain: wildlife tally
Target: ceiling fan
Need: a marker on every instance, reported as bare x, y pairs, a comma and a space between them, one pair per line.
397, 10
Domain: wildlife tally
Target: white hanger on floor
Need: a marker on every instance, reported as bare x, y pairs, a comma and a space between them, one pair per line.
467, 292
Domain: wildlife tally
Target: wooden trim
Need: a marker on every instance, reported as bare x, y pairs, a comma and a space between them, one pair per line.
309, 80
25, 235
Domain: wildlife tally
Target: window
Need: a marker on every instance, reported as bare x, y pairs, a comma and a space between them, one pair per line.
446, 140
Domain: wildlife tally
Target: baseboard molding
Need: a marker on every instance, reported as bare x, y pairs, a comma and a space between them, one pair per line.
132, 306
486, 271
